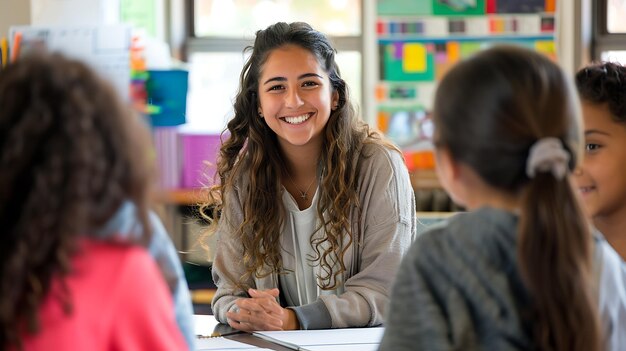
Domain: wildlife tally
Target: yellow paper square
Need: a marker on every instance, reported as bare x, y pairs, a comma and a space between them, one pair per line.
414, 58
545, 46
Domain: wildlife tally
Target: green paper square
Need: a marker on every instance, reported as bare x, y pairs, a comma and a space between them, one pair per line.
442, 9
404, 7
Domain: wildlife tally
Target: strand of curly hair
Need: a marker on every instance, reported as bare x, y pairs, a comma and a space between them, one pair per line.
603, 82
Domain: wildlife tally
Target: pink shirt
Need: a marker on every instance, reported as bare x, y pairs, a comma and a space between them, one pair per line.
120, 302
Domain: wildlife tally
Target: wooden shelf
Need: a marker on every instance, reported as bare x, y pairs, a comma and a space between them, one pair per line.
185, 197
434, 215
202, 296
425, 179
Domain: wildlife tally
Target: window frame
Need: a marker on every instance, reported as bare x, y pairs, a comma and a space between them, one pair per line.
195, 44
602, 39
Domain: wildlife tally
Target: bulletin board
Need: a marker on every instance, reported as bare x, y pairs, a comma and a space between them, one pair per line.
420, 40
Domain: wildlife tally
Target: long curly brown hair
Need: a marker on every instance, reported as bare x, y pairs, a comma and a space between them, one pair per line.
250, 150
70, 153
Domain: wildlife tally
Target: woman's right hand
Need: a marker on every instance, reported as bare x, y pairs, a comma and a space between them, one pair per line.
261, 311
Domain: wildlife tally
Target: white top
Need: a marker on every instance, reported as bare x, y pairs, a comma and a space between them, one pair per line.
299, 284
612, 295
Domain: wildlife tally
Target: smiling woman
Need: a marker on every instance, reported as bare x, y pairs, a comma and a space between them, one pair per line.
295, 99
315, 209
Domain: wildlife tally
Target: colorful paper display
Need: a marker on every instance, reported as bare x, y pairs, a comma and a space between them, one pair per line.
477, 26
404, 61
420, 41
427, 60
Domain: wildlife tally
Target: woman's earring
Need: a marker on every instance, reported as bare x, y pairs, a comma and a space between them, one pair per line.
260, 114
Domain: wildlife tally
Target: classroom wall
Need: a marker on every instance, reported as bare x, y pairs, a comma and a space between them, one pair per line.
13, 12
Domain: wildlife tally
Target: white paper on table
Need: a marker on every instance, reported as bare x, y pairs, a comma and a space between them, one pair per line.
204, 324
348, 347
223, 344
305, 339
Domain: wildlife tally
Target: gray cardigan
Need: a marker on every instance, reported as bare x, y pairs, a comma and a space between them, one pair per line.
388, 226
459, 288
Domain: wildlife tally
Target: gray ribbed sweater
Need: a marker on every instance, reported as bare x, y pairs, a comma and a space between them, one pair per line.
459, 288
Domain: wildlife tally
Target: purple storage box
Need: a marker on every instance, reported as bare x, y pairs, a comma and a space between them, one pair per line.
199, 159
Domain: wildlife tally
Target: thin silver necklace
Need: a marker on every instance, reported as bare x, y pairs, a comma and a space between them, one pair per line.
303, 194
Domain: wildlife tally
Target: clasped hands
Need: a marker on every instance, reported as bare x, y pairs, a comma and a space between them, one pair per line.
261, 312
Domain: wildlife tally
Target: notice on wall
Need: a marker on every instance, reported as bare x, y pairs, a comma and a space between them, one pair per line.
105, 48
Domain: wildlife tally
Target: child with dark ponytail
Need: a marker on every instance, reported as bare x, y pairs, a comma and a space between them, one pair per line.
521, 270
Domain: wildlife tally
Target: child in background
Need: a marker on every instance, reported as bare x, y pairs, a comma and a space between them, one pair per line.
520, 270
75, 273
317, 209
600, 178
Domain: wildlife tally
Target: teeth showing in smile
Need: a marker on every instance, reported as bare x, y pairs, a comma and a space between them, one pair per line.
586, 189
296, 119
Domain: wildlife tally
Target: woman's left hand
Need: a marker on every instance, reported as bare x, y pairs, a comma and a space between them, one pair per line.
261, 312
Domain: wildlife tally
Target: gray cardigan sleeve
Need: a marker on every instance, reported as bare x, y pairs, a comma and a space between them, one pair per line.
227, 267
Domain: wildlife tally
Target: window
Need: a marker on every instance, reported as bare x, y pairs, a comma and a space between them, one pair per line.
610, 30
615, 15
232, 18
221, 29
